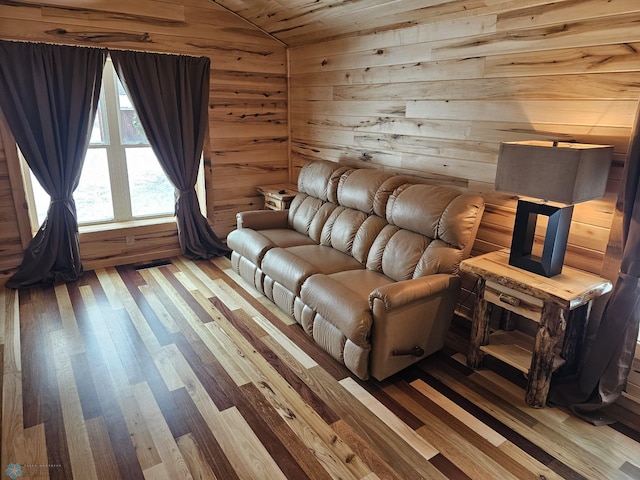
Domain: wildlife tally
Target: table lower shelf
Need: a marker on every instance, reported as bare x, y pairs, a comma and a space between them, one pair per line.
514, 348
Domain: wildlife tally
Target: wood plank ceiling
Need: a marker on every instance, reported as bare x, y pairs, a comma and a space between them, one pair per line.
303, 22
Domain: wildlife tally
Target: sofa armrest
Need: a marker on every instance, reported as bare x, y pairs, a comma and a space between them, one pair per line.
402, 293
262, 219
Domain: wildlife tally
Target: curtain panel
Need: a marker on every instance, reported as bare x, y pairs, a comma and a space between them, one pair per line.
49, 96
171, 95
608, 363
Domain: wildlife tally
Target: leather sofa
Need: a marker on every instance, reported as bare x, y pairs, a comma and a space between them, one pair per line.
365, 261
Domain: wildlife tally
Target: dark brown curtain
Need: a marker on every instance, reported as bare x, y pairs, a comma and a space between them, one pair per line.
171, 94
608, 363
49, 96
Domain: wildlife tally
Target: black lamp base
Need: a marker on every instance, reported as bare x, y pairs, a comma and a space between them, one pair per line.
555, 241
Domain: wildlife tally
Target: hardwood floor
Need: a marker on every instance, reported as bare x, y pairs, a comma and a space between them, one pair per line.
182, 371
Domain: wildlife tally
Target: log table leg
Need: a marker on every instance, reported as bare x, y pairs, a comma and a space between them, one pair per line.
552, 326
479, 327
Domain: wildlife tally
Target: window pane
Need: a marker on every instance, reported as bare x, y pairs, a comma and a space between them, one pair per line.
99, 133
151, 191
131, 132
40, 197
93, 195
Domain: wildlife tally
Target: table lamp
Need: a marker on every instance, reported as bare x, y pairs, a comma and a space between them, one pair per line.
562, 172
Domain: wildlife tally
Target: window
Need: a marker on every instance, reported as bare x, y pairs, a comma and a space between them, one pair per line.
121, 178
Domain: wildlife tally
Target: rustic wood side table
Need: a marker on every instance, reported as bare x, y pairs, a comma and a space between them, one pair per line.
278, 197
560, 305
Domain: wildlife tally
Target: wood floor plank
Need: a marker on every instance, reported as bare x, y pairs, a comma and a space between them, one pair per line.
162, 437
85, 386
307, 424
163, 315
102, 450
186, 295
203, 372
448, 468
70, 325
107, 393
510, 417
130, 278
36, 463
239, 321
406, 433
227, 385
183, 370
158, 472
307, 463
213, 456
82, 464
192, 453
141, 437
8, 301
228, 429
148, 349
564, 423
305, 360
32, 360
110, 354
48, 319
458, 412
470, 452
196, 278
364, 451
405, 460
376, 389
12, 439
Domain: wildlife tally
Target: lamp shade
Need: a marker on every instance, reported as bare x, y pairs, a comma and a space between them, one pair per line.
555, 171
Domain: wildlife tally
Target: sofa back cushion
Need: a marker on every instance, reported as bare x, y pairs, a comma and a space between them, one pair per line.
436, 227
358, 188
320, 179
310, 209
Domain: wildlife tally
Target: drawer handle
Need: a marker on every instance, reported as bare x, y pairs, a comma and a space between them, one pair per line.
509, 300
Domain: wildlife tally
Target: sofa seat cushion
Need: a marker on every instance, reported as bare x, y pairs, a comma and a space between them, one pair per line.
292, 266
282, 237
351, 314
326, 259
253, 244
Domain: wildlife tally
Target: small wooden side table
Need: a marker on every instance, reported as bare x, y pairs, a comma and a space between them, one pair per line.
278, 197
560, 305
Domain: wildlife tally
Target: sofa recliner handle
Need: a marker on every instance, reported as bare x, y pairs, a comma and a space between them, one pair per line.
416, 351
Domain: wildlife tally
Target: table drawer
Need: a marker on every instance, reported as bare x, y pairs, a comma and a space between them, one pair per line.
514, 301
277, 203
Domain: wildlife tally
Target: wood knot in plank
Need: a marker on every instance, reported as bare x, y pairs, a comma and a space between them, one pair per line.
266, 386
100, 37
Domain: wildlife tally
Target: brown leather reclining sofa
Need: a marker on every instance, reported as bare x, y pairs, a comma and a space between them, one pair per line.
364, 260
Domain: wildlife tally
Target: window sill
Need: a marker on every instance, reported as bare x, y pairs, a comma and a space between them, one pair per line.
131, 224
106, 231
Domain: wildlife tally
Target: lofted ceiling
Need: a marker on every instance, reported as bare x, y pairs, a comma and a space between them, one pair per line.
301, 22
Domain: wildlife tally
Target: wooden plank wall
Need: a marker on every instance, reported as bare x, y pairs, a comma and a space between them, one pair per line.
247, 144
436, 100
10, 241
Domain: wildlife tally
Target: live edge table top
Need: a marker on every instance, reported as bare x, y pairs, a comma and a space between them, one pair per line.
569, 289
